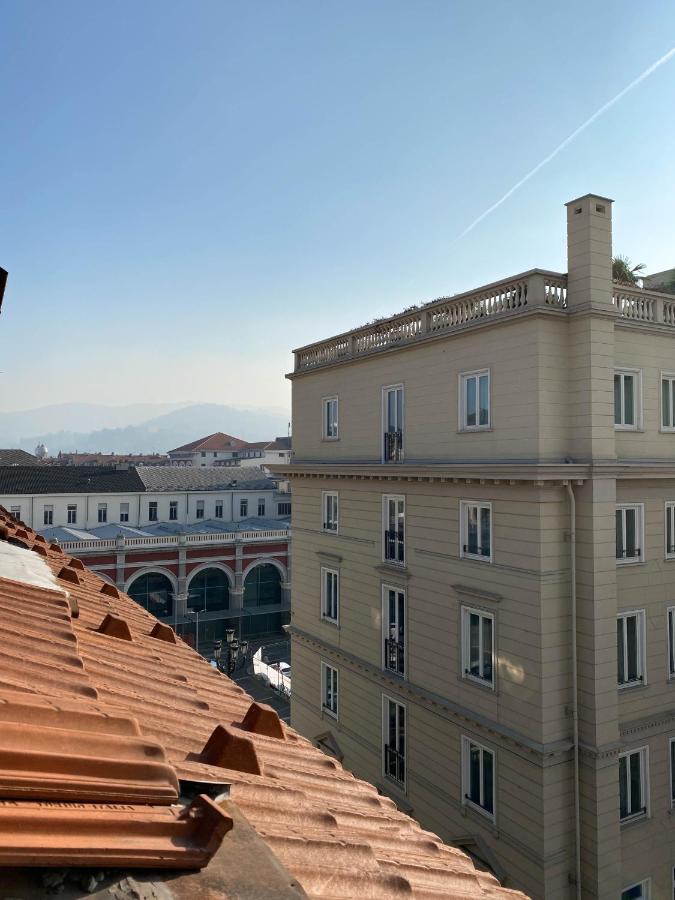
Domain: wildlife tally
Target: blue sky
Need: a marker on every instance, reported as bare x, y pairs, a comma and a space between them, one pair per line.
189, 190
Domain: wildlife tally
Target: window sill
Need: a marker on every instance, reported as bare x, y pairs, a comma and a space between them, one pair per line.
475, 429
327, 713
329, 440
629, 428
396, 785
630, 562
399, 676
333, 622
481, 559
329, 531
666, 430
487, 686
389, 567
633, 820
632, 685
482, 814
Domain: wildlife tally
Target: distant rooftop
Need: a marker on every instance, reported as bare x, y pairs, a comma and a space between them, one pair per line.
38, 479
18, 458
212, 442
208, 478
68, 480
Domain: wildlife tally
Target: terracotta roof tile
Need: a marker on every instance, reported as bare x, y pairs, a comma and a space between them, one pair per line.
216, 441
148, 715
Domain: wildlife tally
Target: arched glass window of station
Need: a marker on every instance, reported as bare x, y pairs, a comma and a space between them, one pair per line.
209, 592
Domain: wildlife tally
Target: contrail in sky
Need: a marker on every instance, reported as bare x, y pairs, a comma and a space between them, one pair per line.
568, 140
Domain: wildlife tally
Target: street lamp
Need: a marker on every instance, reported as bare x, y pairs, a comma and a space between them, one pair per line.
236, 653
195, 612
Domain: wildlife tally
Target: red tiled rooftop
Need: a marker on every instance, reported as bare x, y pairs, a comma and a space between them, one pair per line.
122, 720
217, 441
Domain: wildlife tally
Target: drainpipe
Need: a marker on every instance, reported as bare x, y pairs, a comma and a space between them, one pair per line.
575, 689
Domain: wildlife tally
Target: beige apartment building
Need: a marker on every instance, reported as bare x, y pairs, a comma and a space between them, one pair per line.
483, 491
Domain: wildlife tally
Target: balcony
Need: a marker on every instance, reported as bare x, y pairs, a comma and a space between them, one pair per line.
394, 656
393, 446
394, 764
394, 546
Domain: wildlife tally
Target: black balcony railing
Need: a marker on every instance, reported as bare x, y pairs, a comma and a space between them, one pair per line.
394, 764
394, 656
628, 553
393, 446
475, 550
394, 546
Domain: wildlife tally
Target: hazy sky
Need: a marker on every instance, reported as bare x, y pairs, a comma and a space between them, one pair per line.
190, 189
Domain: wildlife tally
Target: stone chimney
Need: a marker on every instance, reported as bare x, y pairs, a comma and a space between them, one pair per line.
589, 253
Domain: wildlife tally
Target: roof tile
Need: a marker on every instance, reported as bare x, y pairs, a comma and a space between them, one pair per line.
336, 836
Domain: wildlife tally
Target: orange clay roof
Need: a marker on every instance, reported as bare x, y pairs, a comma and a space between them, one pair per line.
216, 441
103, 705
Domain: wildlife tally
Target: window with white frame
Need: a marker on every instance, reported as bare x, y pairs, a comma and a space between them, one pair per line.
670, 624
283, 509
329, 689
48, 515
261, 506
243, 508
330, 511
670, 530
630, 649
393, 516
393, 728
474, 400
478, 645
393, 625
629, 533
103, 512
71, 513
626, 398
124, 512
671, 747
667, 401
219, 509
199, 509
633, 784
478, 777
638, 891
476, 530
392, 423
15, 511
152, 511
173, 510
330, 594
330, 418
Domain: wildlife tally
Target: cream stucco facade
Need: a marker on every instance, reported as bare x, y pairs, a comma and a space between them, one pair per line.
459, 476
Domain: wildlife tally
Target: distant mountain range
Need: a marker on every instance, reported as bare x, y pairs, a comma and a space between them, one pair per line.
137, 428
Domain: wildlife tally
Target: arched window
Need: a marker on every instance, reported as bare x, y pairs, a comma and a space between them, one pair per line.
262, 586
154, 592
210, 590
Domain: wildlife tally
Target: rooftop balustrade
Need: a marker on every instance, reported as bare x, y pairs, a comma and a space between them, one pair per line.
500, 300
172, 540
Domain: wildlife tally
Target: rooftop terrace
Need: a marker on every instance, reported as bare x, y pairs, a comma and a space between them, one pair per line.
500, 300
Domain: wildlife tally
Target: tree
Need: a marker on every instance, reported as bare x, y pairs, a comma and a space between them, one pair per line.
624, 272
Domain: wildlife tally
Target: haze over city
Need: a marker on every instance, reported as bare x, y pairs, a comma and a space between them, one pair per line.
190, 192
